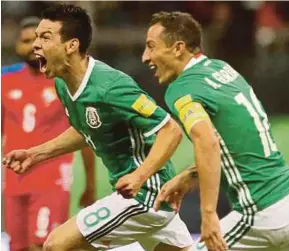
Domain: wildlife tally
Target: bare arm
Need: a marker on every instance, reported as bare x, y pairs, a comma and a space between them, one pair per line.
68, 141
88, 159
208, 163
167, 140
89, 195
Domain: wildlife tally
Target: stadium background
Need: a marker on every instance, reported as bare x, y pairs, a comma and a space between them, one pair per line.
252, 36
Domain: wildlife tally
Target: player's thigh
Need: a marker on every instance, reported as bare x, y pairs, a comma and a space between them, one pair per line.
114, 221
66, 237
102, 223
172, 236
16, 223
166, 247
239, 235
47, 210
282, 238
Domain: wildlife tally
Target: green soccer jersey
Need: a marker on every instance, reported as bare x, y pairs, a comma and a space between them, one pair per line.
118, 121
254, 173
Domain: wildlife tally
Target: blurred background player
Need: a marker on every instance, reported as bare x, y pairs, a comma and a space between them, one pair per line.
37, 202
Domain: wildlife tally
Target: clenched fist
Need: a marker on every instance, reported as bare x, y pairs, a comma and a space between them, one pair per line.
19, 161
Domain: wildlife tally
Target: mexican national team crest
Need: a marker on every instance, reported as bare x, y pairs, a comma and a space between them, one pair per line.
92, 118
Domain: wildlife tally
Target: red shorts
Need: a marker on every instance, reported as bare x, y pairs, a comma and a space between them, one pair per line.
29, 218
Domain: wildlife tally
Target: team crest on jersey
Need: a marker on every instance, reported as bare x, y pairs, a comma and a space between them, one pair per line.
92, 117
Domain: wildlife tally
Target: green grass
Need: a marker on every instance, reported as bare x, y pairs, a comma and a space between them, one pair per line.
181, 159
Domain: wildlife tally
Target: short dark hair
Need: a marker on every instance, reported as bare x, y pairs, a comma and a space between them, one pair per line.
179, 26
28, 22
75, 23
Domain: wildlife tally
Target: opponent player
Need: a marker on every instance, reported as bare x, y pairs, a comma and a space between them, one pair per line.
38, 201
230, 131
121, 123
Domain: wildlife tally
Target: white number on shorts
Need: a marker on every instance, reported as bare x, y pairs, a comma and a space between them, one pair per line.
42, 222
29, 120
260, 119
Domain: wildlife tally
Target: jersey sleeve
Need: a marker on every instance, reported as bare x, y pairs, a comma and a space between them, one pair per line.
191, 101
134, 106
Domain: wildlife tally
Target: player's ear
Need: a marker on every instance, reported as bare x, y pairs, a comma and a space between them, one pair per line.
179, 48
72, 45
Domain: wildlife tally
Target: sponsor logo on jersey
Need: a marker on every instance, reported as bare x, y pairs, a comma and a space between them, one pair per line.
49, 95
144, 106
92, 117
15, 94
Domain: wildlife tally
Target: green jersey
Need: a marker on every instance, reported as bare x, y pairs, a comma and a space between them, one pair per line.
254, 173
118, 121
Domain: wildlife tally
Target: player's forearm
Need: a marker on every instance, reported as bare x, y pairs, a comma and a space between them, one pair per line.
167, 140
207, 155
68, 141
88, 158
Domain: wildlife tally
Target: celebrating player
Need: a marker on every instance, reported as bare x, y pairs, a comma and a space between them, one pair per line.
232, 139
38, 201
122, 124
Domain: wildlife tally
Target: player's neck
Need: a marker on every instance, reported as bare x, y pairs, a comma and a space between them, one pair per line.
76, 69
186, 59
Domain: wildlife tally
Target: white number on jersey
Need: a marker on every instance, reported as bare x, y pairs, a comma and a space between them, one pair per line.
260, 119
29, 120
42, 222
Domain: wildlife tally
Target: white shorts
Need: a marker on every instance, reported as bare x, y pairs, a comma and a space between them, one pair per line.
114, 221
269, 232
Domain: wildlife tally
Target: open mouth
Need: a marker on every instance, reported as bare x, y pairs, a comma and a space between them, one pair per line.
42, 63
154, 69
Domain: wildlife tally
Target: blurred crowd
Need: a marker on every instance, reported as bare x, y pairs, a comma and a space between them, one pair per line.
252, 36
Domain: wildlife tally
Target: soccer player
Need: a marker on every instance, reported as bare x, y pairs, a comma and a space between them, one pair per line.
122, 124
232, 141
38, 201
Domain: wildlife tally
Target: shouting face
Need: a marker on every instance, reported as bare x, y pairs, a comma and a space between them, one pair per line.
49, 48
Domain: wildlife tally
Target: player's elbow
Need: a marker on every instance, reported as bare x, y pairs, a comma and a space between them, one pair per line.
174, 130
206, 142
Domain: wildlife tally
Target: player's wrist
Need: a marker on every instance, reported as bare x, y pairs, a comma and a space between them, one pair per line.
141, 175
36, 154
187, 175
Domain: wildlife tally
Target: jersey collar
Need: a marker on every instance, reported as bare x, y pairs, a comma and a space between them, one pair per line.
85, 79
195, 60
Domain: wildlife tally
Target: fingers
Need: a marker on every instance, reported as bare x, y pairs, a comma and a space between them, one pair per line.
215, 242
160, 199
120, 185
123, 188
17, 167
8, 159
